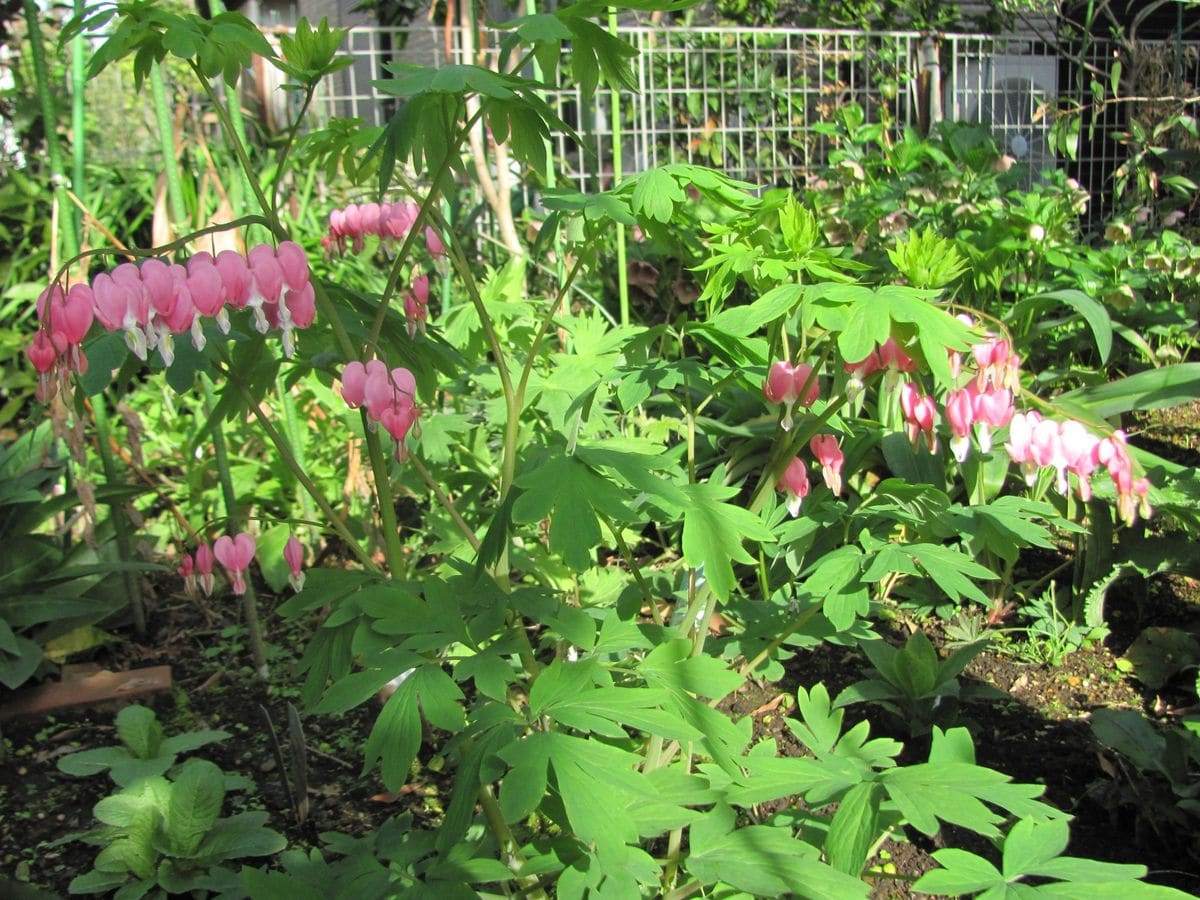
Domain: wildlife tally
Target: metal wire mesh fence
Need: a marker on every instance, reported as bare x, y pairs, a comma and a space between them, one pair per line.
757, 103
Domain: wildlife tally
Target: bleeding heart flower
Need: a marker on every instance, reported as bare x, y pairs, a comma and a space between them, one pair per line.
236, 282
795, 483
397, 222
267, 283
293, 262
293, 554
207, 291
825, 448
433, 243
960, 413
788, 384
354, 383
204, 568
187, 571
41, 353
993, 409
920, 414
235, 554
416, 306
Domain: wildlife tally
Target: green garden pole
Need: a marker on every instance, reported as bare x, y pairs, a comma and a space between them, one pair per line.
78, 131
41, 78
166, 141
622, 268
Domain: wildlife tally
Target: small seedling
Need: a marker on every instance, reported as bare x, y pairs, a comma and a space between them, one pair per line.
144, 752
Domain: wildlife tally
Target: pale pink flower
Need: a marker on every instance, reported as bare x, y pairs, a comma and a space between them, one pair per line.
236, 283
369, 218
788, 384
1046, 449
44, 359
920, 415
1020, 440
293, 262
235, 554
416, 305
207, 291
1079, 448
204, 568
433, 243
389, 398
825, 448
293, 554
992, 409
795, 483
354, 384
960, 413
888, 356
187, 571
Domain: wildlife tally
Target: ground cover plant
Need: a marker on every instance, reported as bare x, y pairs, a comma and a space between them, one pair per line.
533, 557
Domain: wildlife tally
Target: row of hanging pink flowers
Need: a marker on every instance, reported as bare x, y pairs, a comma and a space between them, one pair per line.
981, 405
235, 554
156, 300
389, 397
350, 225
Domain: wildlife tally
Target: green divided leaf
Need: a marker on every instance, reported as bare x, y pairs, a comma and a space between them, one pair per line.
952, 571
854, 829
656, 194
574, 497
961, 873
1032, 849
595, 783
960, 793
769, 862
568, 693
836, 578
396, 737
743, 321
713, 532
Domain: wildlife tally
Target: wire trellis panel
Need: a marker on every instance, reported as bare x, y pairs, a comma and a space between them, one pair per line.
757, 103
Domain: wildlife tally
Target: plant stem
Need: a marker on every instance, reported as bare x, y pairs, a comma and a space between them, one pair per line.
675, 839
382, 470
239, 151
795, 625
446, 503
231, 100
681, 893
136, 253
289, 140
509, 848
617, 162
285, 453
233, 525
634, 568
121, 524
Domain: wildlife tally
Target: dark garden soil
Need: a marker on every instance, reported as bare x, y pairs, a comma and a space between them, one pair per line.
1038, 733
